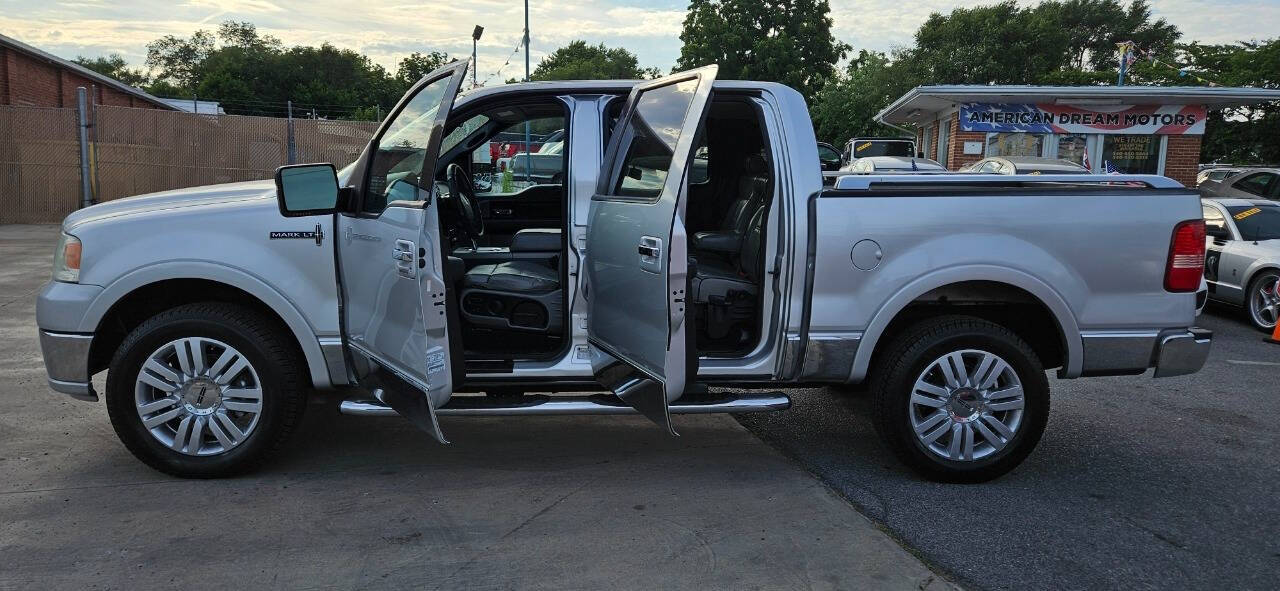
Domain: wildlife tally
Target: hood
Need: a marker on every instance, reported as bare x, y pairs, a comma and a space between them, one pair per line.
178, 198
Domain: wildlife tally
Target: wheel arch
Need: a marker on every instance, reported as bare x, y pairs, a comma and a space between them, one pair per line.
964, 289
143, 292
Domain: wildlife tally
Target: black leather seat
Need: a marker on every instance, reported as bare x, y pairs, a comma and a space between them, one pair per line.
752, 191
518, 276
715, 277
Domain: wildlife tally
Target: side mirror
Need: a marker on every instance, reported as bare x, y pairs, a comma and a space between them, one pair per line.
306, 189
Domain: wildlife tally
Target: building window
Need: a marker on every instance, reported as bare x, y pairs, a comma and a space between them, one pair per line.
1072, 147
1131, 154
1015, 144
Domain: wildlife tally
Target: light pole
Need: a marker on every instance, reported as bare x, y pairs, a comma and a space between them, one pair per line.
475, 38
528, 160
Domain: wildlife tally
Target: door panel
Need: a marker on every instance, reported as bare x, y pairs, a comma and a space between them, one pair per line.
394, 321
637, 251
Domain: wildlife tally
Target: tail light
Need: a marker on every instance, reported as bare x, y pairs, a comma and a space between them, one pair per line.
1186, 257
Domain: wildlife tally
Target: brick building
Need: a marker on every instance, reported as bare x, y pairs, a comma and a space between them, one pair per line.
1130, 129
34, 78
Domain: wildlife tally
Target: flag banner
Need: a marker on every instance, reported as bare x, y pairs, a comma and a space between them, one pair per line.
1052, 118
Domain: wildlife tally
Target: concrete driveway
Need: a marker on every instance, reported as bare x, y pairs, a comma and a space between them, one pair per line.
564, 503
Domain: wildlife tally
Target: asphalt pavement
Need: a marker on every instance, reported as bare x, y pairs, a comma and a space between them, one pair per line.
1137, 484
517, 503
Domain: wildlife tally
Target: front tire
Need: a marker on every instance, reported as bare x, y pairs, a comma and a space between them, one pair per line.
205, 390
1262, 303
960, 399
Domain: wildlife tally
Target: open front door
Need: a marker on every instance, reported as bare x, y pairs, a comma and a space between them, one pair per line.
637, 251
394, 299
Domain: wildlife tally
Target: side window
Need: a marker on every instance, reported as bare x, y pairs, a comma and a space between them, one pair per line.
1215, 224
395, 170
515, 165
1255, 183
654, 129
990, 167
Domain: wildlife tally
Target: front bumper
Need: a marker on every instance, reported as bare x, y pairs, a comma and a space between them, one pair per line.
66, 359
1182, 351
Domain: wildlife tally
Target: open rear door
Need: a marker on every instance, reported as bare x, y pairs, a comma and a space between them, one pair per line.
392, 275
637, 251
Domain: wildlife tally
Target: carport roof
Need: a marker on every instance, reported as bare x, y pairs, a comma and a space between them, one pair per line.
922, 101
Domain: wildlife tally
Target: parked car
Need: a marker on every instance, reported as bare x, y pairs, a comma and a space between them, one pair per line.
1248, 183
1214, 174
215, 311
1242, 256
828, 157
892, 165
1025, 165
546, 165
863, 147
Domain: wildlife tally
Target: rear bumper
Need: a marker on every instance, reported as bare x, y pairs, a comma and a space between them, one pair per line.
66, 360
1183, 351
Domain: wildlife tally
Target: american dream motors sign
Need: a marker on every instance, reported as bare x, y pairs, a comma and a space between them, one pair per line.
1046, 118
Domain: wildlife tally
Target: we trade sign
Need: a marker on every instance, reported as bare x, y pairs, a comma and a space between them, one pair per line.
1046, 118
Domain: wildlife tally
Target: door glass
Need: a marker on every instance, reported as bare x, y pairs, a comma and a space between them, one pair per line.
655, 128
396, 166
1131, 154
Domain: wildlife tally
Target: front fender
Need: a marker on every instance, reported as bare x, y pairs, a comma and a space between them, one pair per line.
241, 279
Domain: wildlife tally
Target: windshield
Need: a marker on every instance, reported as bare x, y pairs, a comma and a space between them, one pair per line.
1256, 223
865, 148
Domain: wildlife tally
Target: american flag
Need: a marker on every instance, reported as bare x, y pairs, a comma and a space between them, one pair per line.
1084, 159
1109, 168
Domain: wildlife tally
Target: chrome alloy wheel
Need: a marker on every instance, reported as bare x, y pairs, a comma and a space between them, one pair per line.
1264, 302
198, 396
966, 405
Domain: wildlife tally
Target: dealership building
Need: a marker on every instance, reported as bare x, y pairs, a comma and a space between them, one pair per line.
1127, 129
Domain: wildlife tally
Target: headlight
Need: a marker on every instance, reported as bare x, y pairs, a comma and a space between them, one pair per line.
66, 259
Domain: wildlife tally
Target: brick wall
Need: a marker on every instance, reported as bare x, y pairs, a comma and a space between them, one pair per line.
1182, 159
32, 82
955, 151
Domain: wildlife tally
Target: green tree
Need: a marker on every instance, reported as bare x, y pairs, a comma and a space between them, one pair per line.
174, 60
412, 68
579, 61
846, 106
787, 41
115, 66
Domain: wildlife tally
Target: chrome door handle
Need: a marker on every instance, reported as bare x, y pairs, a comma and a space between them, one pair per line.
403, 254
649, 251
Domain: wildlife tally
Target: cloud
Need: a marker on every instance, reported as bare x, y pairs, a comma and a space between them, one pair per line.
389, 31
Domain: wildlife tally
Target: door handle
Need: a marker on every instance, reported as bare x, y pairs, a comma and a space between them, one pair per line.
403, 254
650, 250
503, 212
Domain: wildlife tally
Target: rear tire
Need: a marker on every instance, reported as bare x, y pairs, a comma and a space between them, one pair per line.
222, 390
959, 399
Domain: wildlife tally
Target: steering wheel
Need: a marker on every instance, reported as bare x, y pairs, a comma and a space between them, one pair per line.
464, 201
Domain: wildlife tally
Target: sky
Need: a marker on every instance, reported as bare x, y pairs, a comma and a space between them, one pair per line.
388, 30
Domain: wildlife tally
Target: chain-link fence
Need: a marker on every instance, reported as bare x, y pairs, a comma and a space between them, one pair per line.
39, 164
135, 151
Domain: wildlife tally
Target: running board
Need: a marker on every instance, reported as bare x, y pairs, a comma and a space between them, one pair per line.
596, 404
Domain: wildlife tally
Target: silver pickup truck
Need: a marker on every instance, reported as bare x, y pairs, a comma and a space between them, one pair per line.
215, 311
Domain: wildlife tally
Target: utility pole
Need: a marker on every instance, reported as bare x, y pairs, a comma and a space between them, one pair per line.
528, 159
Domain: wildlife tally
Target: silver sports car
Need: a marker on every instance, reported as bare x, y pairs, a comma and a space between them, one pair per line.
1242, 256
